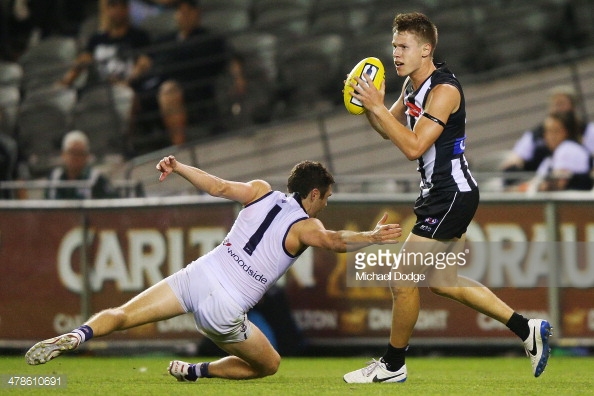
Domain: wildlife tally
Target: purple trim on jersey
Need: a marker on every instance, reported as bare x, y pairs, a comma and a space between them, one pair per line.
259, 199
285, 238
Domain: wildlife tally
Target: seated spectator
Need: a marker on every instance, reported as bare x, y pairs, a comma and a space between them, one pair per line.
112, 55
15, 29
76, 166
569, 165
529, 151
114, 52
182, 88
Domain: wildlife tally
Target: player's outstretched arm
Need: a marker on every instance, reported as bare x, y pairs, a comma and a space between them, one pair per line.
243, 193
311, 232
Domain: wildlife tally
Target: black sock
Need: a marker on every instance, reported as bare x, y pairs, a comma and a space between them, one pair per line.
192, 376
519, 325
204, 370
394, 357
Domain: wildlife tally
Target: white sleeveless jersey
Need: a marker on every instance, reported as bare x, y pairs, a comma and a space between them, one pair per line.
253, 256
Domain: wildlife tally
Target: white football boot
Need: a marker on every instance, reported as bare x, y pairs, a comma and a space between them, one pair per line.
179, 370
537, 345
375, 371
46, 350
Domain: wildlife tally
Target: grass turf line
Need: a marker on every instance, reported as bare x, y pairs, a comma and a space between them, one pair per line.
147, 375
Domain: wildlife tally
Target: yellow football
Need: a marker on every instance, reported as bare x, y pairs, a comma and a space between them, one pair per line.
374, 69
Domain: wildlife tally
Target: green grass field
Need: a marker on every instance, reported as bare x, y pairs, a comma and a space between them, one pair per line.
146, 375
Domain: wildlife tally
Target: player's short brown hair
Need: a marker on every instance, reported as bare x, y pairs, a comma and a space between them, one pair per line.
307, 175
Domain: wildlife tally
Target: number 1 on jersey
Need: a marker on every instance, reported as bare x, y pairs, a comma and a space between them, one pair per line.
255, 239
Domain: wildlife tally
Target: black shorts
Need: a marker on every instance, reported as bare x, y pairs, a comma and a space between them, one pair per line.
445, 214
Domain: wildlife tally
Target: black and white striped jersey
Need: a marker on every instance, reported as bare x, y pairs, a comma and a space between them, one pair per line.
443, 166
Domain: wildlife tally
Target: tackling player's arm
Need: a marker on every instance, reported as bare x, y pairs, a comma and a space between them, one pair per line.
311, 232
442, 101
243, 193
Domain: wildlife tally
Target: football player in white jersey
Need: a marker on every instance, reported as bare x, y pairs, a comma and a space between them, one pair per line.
270, 232
427, 124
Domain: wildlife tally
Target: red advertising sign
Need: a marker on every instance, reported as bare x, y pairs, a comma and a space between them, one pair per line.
130, 248
329, 311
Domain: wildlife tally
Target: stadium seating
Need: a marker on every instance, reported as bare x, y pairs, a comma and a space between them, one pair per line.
103, 113
258, 53
160, 24
259, 6
347, 21
51, 49
310, 71
287, 22
45, 63
208, 5
43, 119
277, 42
226, 21
583, 14
11, 73
382, 14
10, 98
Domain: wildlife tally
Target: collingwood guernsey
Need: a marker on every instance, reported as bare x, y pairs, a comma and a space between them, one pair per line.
443, 166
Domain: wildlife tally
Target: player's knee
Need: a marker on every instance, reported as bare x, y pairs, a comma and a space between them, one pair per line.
270, 367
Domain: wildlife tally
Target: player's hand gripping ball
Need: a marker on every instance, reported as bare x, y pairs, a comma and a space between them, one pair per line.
374, 69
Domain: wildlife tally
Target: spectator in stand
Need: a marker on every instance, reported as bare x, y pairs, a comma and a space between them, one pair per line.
569, 165
76, 166
114, 52
182, 88
530, 150
15, 29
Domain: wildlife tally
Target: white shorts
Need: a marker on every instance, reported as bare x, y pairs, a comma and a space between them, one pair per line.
217, 315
